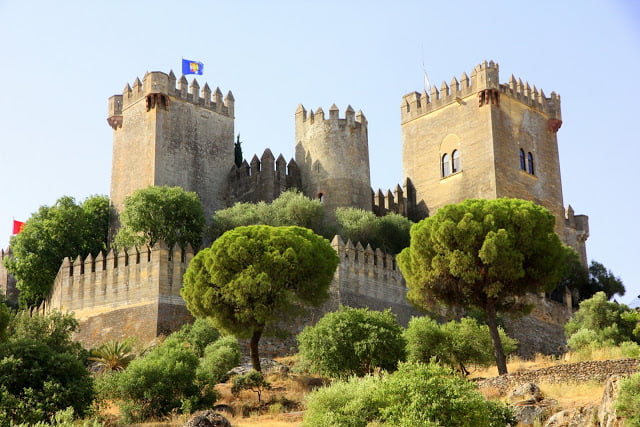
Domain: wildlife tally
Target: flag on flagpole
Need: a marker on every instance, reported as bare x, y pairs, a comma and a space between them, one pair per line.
17, 226
192, 67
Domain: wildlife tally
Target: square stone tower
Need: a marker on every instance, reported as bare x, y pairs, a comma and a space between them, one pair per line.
477, 138
168, 135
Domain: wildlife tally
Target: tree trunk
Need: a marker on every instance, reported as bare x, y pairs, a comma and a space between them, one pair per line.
501, 360
253, 349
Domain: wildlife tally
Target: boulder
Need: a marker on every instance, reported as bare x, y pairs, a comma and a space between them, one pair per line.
207, 418
607, 412
576, 417
528, 412
526, 391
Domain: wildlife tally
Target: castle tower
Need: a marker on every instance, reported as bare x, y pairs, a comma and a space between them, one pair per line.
477, 138
167, 135
333, 157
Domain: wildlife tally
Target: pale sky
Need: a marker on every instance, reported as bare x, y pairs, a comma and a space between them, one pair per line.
62, 60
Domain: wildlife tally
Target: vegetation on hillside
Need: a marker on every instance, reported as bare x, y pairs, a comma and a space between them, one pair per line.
66, 229
456, 344
253, 276
42, 371
352, 341
163, 213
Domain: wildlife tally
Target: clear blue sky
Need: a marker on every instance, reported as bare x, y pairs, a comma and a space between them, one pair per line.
62, 60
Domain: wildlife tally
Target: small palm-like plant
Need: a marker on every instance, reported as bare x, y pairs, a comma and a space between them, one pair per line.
112, 356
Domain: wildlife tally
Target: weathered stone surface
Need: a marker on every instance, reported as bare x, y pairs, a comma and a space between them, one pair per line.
529, 412
526, 391
607, 412
576, 417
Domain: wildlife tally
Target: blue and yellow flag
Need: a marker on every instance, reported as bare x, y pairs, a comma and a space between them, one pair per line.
192, 67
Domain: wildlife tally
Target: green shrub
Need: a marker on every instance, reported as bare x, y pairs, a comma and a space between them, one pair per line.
455, 344
160, 382
41, 370
355, 402
415, 395
628, 403
219, 357
198, 335
610, 323
352, 341
430, 395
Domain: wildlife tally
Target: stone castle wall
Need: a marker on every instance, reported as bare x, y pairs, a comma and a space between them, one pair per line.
117, 295
263, 180
132, 293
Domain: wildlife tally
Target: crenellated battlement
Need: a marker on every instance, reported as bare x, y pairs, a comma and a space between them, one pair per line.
351, 119
158, 88
533, 97
365, 274
485, 84
129, 277
401, 200
263, 179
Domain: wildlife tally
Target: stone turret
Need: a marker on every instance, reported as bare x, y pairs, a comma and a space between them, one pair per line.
167, 132
333, 157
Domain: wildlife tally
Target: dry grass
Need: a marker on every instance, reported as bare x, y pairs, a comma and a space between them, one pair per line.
516, 364
571, 395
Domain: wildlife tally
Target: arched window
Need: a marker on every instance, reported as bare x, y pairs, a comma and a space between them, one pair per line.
446, 171
530, 160
455, 164
523, 162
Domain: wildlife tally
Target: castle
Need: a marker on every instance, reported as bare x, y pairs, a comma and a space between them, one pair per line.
473, 138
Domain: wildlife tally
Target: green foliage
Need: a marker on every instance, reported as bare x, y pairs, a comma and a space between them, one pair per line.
483, 254
599, 320
603, 280
588, 281
198, 335
415, 395
628, 403
253, 380
352, 341
456, 344
237, 152
41, 370
290, 208
218, 359
253, 276
355, 402
163, 213
112, 356
390, 233
155, 385
65, 229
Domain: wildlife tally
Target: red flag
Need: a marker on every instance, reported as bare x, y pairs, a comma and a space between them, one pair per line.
17, 226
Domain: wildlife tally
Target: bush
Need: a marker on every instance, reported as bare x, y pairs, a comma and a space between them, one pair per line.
219, 357
353, 403
41, 370
352, 341
609, 322
160, 382
628, 403
416, 395
428, 394
455, 344
198, 335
